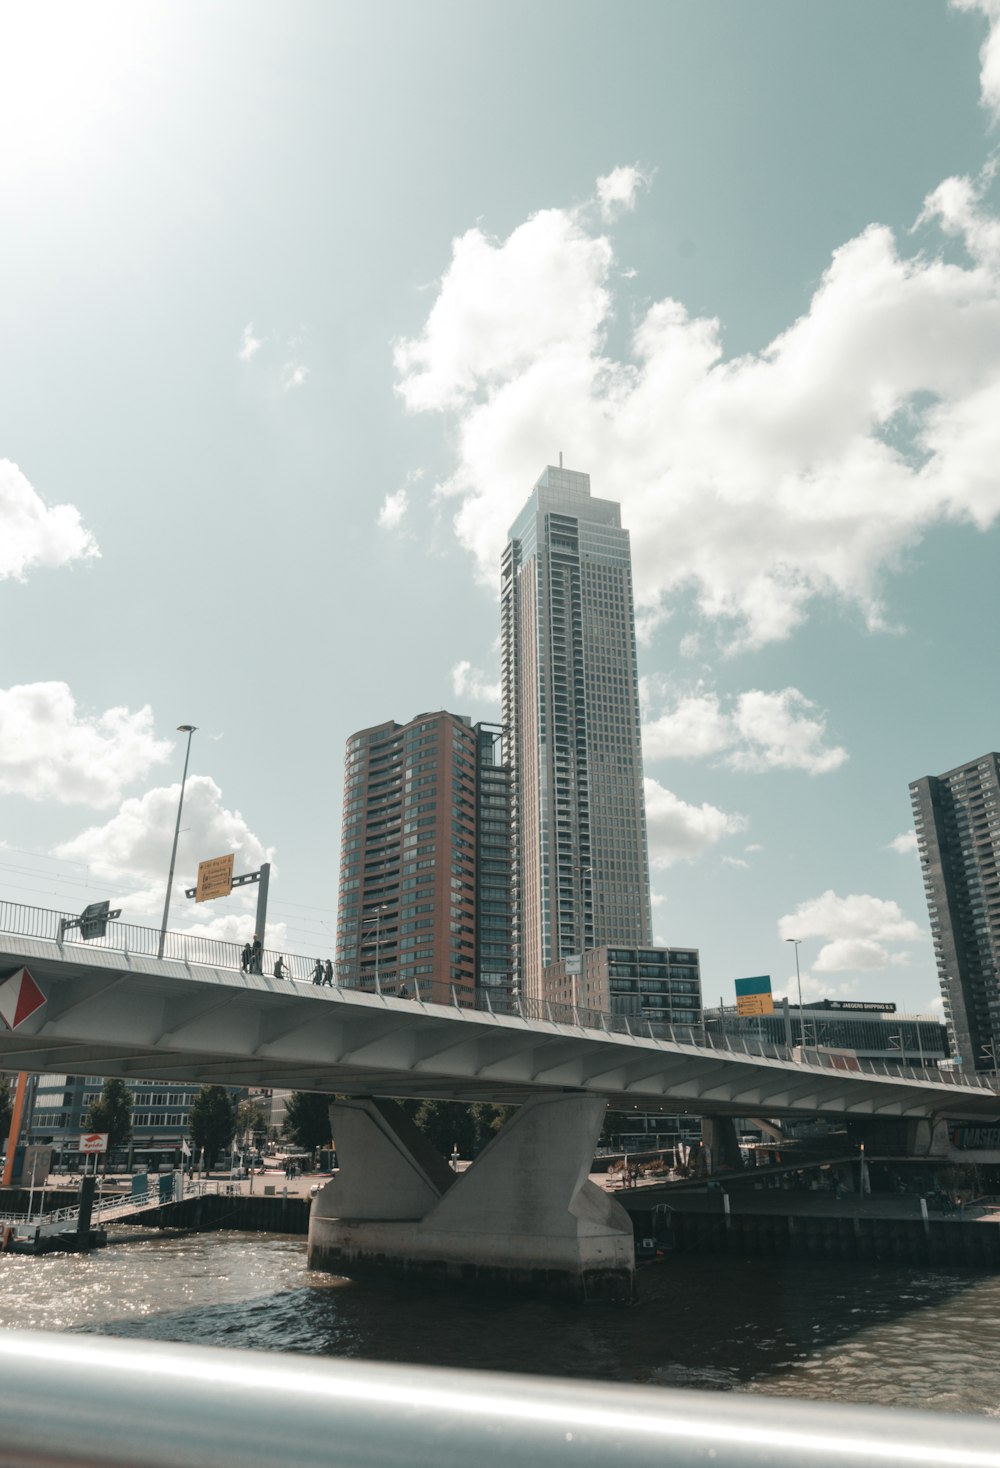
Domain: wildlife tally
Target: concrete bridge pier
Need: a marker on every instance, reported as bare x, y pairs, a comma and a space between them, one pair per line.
525, 1215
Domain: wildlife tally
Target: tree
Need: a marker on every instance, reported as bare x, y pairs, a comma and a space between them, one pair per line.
212, 1122
112, 1113
250, 1120
451, 1124
307, 1119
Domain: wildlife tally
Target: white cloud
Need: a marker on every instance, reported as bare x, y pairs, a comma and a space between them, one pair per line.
905, 843
394, 508
293, 375
131, 851
49, 750
467, 681
617, 190
34, 534
761, 731
682, 832
249, 344
989, 55
858, 931
734, 861
757, 484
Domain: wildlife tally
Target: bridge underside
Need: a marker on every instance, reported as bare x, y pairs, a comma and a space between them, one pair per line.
111, 1015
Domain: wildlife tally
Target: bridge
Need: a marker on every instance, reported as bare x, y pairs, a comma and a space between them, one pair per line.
113, 1008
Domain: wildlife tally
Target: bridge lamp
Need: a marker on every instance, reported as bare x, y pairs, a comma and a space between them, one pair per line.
187, 729
798, 980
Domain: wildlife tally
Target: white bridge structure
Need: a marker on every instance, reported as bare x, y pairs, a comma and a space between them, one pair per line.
525, 1209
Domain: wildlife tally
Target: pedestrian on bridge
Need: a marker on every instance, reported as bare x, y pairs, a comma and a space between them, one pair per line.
256, 955
318, 972
328, 974
279, 968
246, 958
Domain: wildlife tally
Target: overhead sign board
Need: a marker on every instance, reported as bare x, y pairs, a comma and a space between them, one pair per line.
94, 1142
753, 995
754, 1004
20, 997
215, 878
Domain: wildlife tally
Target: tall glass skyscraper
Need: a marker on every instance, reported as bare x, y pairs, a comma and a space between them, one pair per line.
957, 818
570, 694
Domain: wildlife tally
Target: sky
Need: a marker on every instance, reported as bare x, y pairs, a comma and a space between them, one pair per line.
297, 302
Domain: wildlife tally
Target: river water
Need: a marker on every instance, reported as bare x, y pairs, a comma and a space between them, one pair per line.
898, 1336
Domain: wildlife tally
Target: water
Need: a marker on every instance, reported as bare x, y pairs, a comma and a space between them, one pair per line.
899, 1336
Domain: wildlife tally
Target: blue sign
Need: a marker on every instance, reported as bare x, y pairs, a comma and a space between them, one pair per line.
759, 985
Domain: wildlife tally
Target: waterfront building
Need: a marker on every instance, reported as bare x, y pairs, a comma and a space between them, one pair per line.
570, 700
58, 1116
957, 820
650, 985
871, 1032
424, 901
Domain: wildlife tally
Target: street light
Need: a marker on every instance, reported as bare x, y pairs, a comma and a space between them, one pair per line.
375, 918
187, 729
798, 980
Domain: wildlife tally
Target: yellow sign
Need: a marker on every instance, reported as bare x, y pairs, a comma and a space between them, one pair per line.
754, 1004
215, 878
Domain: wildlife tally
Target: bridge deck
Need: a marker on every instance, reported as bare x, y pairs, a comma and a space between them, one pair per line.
112, 1013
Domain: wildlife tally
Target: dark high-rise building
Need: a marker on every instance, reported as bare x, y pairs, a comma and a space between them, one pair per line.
957, 819
424, 889
570, 694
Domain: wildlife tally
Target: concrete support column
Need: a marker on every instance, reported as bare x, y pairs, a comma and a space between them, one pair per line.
718, 1135
525, 1214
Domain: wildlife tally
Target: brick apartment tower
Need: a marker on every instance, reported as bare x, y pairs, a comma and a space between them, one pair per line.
570, 691
957, 819
420, 859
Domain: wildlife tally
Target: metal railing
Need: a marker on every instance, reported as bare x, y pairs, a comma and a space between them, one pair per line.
188, 948
110, 1207
73, 1401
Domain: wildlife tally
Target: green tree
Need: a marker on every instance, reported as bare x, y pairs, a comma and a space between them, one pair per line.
212, 1122
112, 1113
250, 1120
450, 1124
307, 1119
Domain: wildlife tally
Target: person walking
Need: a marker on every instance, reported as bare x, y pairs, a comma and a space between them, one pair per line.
279, 967
318, 972
256, 955
328, 974
246, 958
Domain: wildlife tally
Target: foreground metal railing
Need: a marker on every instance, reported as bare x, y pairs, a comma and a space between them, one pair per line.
37, 922
73, 1401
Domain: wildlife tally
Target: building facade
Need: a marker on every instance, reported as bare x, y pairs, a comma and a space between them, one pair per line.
424, 904
570, 696
957, 820
160, 1112
658, 986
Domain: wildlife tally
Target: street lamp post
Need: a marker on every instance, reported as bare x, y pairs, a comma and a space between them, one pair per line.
187, 729
375, 918
798, 980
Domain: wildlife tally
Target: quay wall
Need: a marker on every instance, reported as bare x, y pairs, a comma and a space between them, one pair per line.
246, 1214
948, 1242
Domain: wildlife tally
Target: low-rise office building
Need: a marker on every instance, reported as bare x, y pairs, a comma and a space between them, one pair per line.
650, 985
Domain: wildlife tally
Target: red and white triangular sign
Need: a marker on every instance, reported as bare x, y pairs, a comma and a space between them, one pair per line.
20, 996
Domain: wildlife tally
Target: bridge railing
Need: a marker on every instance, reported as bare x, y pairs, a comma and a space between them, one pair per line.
193, 948
153, 1405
